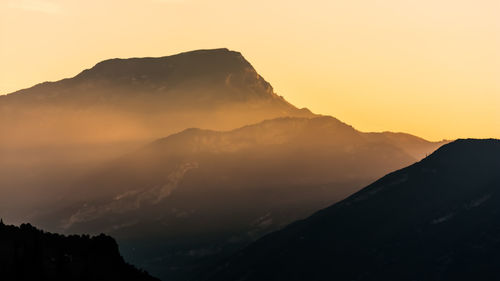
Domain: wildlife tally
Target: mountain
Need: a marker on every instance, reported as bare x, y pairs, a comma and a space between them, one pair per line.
89, 154
437, 219
193, 197
119, 98
31, 254
52, 132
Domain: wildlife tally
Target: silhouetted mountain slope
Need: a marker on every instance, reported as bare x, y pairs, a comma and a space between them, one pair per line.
177, 191
438, 219
27, 253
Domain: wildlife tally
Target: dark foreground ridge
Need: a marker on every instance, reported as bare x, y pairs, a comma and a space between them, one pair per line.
27, 253
438, 219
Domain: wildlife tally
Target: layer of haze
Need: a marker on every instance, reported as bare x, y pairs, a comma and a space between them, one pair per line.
430, 68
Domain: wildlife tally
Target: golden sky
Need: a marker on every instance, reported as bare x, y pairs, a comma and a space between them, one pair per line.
426, 67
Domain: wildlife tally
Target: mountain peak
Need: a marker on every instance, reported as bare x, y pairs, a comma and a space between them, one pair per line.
193, 63
151, 97
200, 77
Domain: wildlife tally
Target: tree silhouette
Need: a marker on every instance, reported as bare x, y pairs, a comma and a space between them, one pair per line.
27, 253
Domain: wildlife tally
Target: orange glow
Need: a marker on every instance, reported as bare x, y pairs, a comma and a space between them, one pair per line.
430, 68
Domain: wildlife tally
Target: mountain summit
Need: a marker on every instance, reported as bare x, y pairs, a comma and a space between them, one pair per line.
201, 78
219, 67
147, 97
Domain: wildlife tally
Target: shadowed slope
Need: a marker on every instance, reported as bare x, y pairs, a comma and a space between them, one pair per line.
435, 220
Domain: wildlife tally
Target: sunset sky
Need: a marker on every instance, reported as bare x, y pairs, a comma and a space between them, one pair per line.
426, 67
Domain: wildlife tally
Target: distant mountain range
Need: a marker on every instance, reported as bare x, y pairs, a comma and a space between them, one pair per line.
185, 159
29, 254
181, 188
437, 219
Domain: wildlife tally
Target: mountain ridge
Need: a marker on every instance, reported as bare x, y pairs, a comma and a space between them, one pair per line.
408, 142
